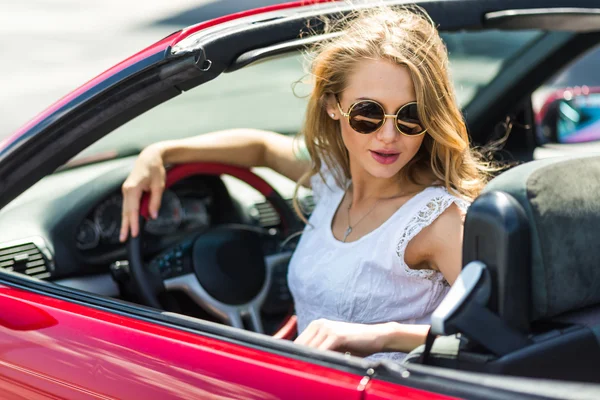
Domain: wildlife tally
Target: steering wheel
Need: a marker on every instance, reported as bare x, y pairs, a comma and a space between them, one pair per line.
223, 269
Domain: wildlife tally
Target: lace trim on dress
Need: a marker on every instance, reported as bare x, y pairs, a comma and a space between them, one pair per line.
434, 208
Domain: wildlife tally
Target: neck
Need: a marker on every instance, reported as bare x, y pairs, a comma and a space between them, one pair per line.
367, 188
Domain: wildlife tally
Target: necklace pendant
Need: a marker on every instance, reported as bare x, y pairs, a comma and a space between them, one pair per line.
348, 231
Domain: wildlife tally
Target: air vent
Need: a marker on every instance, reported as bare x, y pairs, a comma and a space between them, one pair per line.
268, 217
25, 258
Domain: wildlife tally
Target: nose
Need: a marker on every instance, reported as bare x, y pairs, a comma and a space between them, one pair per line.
388, 132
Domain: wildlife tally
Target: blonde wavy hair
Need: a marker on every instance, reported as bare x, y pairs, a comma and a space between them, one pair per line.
408, 37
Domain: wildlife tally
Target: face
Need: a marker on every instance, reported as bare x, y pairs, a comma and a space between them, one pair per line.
381, 154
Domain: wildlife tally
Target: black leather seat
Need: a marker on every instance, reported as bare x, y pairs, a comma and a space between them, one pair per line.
536, 309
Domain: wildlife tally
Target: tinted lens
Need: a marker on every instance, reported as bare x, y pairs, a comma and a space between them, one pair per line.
366, 117
408, 120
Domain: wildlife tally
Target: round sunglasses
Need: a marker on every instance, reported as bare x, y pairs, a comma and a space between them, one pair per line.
368, 116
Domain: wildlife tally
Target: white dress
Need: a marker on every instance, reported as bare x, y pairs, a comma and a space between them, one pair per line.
367, 280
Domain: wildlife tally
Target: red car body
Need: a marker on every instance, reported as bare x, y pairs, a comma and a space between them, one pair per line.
52, 348
97, 354
100, 355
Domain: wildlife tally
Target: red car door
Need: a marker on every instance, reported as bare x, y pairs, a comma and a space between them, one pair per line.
55, 349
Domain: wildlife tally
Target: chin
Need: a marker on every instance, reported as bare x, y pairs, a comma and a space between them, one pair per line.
384, 171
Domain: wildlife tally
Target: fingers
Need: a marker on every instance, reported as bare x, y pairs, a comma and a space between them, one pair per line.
131, 211
156, 191
124, 228
148, 174
319, 338
329, 343
318, 335
309, 333
358, 339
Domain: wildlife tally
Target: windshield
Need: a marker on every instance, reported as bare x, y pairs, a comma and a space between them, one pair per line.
272, 95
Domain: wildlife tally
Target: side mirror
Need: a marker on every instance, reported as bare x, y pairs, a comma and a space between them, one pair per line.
571, 116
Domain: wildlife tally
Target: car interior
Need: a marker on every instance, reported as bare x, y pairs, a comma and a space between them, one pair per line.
532, 305
534, 311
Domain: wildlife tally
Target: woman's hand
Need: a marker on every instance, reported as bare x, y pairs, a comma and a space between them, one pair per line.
148, 175
357, 339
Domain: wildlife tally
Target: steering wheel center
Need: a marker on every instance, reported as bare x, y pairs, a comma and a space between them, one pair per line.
229, 264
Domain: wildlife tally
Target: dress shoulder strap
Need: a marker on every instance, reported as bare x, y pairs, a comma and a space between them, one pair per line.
324, 184
429, 208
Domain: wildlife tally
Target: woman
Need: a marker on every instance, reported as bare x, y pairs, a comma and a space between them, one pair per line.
392, 172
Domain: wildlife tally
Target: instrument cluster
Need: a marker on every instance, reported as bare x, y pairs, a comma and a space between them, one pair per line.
188, 211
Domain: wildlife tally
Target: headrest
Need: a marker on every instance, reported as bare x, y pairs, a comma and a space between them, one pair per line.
561, 197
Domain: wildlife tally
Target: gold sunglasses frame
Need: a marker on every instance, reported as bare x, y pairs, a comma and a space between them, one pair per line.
385, 116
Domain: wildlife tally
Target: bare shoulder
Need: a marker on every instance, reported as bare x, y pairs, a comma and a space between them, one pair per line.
447, 226
439, 245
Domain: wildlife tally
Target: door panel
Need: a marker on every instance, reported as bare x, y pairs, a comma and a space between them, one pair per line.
51, 349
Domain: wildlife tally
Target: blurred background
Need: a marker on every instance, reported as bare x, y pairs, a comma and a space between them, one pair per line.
50, 47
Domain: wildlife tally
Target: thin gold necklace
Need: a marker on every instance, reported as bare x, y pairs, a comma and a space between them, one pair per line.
350, 227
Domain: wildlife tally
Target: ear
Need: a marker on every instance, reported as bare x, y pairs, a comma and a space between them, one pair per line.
331, 106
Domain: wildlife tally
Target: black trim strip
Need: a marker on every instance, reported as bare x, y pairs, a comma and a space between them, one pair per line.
253, 56
571, 19
474, 385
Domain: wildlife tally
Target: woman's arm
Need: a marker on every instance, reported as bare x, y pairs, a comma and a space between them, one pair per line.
362, 339
441, 243
242, 147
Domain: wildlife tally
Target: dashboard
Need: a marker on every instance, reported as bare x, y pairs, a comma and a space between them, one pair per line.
183, 209
76, 214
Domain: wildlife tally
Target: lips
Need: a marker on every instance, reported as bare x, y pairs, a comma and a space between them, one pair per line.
385, 156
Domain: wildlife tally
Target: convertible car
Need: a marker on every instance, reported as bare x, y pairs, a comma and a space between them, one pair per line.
198, 307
